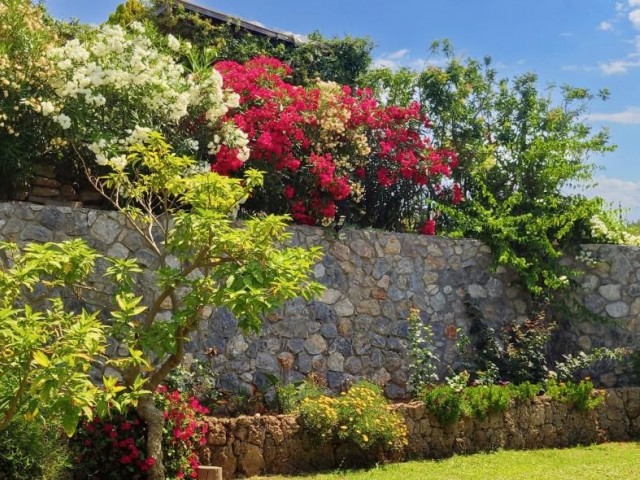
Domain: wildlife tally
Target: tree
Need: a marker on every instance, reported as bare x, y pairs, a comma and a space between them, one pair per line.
519, 151
187, 218
340, 60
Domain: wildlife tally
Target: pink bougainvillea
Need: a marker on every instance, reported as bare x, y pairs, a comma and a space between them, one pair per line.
328, 144
114, 447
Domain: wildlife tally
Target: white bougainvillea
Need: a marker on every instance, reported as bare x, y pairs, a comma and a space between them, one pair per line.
116, 85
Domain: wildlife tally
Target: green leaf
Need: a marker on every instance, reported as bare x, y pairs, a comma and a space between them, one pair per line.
41, 359
70, 421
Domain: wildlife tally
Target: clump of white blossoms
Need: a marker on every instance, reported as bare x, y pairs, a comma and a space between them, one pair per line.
606, 234
116, 84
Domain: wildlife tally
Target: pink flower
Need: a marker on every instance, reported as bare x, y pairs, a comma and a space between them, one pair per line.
383, 177
457, 194
289, 192
429, 227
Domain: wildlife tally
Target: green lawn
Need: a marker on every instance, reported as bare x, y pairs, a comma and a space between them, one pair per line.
598, 462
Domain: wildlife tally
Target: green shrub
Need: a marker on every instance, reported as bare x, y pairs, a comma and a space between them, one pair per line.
481, 400
291, 395
31, 450
524, 391
423, 369
360, 416
579, 395
445, 403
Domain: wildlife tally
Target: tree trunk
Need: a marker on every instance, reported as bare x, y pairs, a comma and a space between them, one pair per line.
154, 419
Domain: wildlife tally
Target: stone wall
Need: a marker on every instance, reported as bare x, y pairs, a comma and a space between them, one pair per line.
359, 325
250, 446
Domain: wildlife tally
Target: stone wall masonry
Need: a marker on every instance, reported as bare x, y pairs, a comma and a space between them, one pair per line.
359, 325
248, 446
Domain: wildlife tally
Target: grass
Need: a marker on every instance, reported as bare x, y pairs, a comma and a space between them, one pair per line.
598, 462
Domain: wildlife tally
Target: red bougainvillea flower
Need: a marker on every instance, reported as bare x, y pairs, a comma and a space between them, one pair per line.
457, 194
428, 227
321, 141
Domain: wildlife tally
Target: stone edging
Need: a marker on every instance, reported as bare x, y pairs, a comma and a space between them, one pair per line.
248, 446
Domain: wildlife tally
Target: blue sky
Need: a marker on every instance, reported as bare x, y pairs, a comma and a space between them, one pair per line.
586, 43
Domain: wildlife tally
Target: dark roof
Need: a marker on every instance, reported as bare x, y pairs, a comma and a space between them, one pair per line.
225, 18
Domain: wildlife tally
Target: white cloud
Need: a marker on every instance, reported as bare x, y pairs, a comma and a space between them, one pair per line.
634, 3
629, 116
399, 54
566, 34
578, 68
393, 60
401, 58
634, 18
616, 67
384, 62
605, 26
632, 61
618, 192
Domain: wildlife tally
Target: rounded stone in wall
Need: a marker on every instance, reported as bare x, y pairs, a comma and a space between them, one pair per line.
617, 309
315, 344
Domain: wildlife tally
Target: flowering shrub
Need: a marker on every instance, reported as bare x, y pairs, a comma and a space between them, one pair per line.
361, 416
112, 88
24, 37
183, 433
606, 229
291, 395
327, 145
114, 448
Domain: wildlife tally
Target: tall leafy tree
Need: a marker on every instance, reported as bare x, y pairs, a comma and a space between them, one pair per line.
521, 149
186, 217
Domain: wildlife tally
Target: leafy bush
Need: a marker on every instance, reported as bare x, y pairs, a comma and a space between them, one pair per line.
524, 391
340, 60
291, 396
448, 404
445, 403
567, 369
580, 395
423, 369
361, 416
46, 350
482, 400
114, 447
198, 380
30, 450
518, 353
319, 416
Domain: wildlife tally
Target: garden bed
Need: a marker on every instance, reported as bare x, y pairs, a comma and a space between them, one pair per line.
279, 445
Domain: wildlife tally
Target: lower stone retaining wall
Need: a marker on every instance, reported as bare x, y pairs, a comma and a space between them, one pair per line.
248, 446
